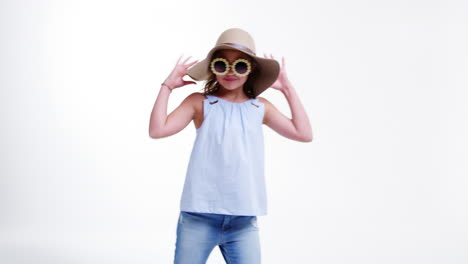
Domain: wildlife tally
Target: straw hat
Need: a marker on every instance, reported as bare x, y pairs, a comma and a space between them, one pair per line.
238, 39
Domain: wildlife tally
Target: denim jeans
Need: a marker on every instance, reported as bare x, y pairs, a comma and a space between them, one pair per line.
198, 233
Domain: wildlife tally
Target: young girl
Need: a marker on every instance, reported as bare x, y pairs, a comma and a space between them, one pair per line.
224, 189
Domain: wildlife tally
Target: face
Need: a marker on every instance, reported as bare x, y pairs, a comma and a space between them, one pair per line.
231, 81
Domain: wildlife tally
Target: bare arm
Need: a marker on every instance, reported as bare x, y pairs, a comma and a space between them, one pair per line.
295, 128
161, 124
299, 118
298, 127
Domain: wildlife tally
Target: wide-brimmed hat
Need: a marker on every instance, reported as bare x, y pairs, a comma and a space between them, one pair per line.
241, 40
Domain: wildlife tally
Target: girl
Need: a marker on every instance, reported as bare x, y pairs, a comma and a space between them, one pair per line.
224, 189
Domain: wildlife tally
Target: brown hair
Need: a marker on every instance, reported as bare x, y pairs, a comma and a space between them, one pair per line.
212, 85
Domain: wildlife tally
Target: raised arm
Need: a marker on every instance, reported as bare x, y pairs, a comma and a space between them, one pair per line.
298, 127
163, 125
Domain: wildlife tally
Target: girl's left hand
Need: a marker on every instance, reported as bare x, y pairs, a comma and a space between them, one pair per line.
282, 82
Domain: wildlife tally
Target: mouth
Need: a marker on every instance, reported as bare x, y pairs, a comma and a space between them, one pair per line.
230, 79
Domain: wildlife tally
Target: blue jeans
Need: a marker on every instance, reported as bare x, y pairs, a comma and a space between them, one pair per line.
198, 233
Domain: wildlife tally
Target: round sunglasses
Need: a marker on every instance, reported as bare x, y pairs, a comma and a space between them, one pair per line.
240, 67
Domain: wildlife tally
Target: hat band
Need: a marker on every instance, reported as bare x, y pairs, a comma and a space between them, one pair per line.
241, 47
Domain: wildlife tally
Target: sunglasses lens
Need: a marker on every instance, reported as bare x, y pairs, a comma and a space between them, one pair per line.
220, 66
241, 67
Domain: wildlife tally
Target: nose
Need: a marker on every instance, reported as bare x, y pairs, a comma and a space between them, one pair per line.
230, 71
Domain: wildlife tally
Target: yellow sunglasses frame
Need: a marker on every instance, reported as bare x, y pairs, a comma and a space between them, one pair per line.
249, 66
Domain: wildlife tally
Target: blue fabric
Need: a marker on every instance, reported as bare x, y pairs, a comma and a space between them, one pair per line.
225, 174
198, 233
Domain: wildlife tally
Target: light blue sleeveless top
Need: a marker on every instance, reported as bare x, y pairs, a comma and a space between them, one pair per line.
225, 174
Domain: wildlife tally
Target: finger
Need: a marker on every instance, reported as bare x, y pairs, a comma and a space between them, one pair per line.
271, 55
189, 82
179, 59
282, 60
186, 60
192, 63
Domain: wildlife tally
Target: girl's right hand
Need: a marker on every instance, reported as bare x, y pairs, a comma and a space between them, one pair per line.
174, 80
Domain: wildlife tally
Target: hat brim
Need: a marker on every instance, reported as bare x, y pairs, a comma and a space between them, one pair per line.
268, 69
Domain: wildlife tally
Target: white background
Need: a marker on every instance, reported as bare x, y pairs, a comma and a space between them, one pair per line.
383, 82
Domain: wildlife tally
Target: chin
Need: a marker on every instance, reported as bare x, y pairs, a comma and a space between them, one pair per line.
231, 85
